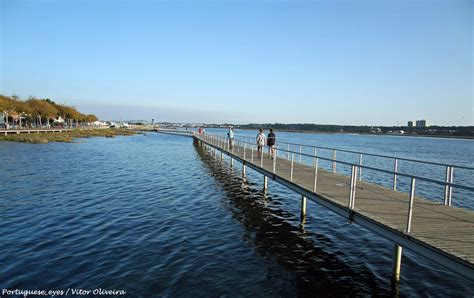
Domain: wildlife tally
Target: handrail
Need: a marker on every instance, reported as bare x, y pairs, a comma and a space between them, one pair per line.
379, 155
376, 169
400, 220
358, 166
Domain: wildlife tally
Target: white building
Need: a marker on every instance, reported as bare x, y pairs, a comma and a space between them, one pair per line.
99, 124
59, 120
421, 123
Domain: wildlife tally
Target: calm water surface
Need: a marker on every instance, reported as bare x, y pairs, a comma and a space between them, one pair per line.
153, 215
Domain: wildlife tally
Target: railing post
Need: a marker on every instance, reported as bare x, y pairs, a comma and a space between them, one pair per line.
395, 169
261, 158
291, 168
350, 188
245, 147
274, 160
360, 167
353, 187
334, 160
251, 158
315, 154
410, 206
315, 174
451, 176
301, 148
446, 186
288, 151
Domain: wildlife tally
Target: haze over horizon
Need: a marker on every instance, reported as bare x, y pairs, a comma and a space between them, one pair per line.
325, 62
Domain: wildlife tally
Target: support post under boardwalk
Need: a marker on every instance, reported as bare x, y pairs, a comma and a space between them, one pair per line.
231, 162
265, 183
243, 169
303, 208
397, 262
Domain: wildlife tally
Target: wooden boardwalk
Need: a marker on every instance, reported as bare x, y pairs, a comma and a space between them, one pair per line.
441, 233
19, 131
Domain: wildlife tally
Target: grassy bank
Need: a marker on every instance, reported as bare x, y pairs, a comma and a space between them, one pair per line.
46, 137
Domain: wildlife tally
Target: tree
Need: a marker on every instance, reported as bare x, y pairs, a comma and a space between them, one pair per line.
40, 109
90, 118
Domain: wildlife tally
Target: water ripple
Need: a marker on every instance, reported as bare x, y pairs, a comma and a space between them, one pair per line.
127, 213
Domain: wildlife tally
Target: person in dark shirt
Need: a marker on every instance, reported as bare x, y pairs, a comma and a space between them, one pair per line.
271, 139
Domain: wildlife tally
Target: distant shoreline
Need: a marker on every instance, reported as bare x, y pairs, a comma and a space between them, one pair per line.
369, 134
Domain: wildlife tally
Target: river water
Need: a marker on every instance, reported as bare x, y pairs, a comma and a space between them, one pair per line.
153, 215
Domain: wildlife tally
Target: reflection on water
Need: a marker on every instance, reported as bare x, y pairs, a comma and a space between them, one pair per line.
278, 235
342, 259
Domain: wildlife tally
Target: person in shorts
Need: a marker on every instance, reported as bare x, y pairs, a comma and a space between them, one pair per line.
260, 142
230, 135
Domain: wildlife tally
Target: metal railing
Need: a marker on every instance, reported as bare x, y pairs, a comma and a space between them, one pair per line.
223, 143
369, 154
449, 168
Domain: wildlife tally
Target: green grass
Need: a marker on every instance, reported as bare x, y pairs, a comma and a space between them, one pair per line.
67, 137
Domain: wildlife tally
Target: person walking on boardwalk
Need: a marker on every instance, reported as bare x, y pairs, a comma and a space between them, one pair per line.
230, 136
271, 139
260, 142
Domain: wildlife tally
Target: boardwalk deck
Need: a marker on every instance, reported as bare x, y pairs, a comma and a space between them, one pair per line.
444, 234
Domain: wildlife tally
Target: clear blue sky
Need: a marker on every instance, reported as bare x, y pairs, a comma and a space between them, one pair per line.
329, 62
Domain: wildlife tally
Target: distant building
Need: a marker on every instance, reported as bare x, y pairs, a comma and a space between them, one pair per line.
396, 132
59, 120
99, 124
375, 130
421, 123
410, 124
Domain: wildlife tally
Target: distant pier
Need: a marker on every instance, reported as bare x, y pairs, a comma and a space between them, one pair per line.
19, 131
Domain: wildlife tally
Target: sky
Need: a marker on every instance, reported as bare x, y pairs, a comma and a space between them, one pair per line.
342, 62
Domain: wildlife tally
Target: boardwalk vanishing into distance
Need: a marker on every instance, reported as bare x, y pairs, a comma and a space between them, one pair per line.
19, 131
440, 232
